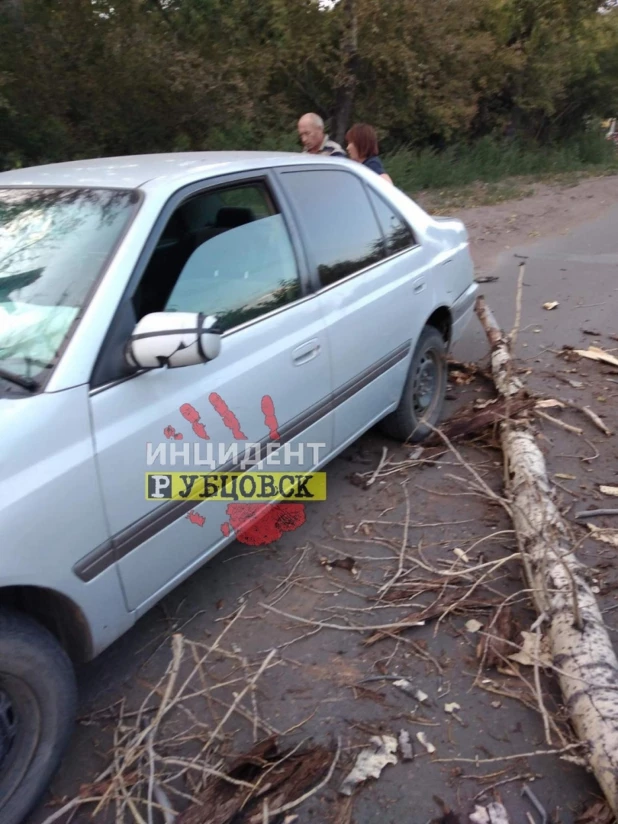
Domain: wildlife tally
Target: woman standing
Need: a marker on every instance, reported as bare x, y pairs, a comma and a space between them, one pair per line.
363, 147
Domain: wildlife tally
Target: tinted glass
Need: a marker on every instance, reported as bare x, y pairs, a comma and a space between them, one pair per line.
53, 244
235, 257
398, 235
338, 220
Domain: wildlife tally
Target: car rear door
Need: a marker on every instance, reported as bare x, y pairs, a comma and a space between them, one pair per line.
372, 276
224, 248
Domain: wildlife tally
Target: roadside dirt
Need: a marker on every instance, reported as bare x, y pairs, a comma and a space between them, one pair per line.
426, 540
552, 211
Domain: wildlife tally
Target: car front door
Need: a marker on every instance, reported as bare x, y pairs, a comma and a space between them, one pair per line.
225, 250
372, 276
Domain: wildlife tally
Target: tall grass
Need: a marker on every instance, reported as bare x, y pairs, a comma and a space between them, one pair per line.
489, 161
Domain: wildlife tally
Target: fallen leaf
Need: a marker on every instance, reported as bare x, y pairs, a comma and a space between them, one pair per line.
551, 305
607, 536
371, 762
423, 740
609, 490
494, 813
598, 813
549, 403
473, 625
527, 655
597, 354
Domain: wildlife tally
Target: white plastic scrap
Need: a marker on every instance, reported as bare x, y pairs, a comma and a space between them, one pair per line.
422, 738
494, 813
405, 745
451, 707
371, 762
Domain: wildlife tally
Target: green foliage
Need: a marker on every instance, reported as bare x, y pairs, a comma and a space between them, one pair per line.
83, 78
490, 160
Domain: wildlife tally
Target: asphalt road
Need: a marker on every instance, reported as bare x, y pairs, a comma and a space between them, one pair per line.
316, 686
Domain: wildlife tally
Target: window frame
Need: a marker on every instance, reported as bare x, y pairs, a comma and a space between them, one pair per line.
416, 244
124, 318
314, 276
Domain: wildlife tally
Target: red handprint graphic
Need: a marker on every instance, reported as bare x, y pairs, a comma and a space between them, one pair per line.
196, 518
228, 417
259, 524
170, 432
255, 524
193, 416
270, 419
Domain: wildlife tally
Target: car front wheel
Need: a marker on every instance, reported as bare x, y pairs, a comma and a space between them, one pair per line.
424, 391
38, 701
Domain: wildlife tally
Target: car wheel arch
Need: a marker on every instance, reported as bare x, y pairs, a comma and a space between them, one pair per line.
442, 320
57, 613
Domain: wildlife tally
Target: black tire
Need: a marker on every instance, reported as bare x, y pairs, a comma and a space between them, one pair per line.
38, 704
428, 371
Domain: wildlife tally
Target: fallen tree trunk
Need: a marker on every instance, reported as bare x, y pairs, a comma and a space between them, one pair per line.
581, 648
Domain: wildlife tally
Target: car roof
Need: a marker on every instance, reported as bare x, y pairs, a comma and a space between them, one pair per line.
154, 170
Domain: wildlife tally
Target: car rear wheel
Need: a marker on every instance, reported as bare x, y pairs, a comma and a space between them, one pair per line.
422, 401
38, 701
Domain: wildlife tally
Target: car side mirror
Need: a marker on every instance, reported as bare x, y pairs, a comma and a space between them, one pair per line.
173, 339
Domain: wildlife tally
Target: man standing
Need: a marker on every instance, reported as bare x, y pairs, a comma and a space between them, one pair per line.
313, 138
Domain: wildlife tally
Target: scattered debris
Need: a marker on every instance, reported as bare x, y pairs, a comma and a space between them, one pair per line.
237, 796
537, 804
473, 625
494, 813
349, 564
497, 642
591, 332
448, 816
527, 656
607, 536
405, 745
597, 813
461, 554
423, 740
596, 420
406, 686
597, 354
450, 708
578, 636
371, 762
487, 279
595, 513
609, 490
550, 305
564, 476
481, 416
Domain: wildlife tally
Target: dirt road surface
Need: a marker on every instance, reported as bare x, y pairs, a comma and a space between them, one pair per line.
324, 683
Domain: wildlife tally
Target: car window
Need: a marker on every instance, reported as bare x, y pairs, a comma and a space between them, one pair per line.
336, 215
398, 234
53, 245
225, 253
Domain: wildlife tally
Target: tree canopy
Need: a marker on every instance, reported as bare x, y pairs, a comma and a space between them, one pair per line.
84, 78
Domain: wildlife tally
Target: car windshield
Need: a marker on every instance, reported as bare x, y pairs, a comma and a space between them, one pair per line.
53, 244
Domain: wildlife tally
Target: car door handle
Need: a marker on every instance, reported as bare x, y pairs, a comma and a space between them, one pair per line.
419, 287
306, 352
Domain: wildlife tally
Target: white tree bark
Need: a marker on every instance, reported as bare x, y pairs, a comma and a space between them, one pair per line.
581, 648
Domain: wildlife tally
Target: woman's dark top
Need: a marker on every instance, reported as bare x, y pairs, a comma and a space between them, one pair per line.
375, 164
